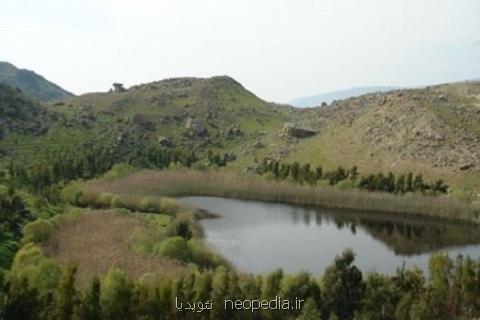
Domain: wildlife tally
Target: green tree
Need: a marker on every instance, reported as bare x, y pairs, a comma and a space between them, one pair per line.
343, 287
89, 308
310, 311
116, 296
66, 295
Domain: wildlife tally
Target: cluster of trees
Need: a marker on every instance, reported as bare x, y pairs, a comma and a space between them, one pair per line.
40, 177
13, 215
305, 173
219, 160
452, 292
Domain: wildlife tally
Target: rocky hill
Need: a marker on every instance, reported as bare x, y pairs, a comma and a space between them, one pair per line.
31, 83
435, 130
329, 97
193, 114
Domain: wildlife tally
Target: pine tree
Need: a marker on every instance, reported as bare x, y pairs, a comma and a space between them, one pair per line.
89, 308
66, 295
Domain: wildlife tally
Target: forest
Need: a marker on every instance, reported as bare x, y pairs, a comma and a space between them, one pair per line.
343, 292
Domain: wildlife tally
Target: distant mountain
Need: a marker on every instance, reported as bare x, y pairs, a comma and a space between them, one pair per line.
20, 114
328, 97
31, 83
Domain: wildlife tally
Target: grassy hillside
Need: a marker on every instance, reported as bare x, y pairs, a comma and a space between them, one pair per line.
31, 83
434, 131
190, 114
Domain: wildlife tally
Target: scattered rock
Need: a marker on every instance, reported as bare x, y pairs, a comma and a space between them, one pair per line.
289, 129
466, 166
196, 126
258, 145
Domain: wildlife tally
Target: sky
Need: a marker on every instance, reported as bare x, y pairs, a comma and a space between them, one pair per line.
278, 49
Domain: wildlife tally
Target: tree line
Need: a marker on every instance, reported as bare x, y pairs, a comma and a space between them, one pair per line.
344, 292
306, 174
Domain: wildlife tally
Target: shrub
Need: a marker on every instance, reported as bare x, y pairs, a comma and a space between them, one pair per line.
175, 247
185, 226
119, 170
204, 257
72, 193
170, 206
104, 199
117, 202
323, 183
345, 185
37, 231
71, 215
144, 204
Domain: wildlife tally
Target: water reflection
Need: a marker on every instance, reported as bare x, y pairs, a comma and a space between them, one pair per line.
405, 235
259, 237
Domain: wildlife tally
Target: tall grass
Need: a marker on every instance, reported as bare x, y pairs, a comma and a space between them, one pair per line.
154, 184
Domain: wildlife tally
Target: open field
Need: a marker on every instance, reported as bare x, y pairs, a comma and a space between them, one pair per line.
151, 185
100, 240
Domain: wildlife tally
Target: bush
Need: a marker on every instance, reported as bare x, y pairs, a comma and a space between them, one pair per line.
37, 231
170, 206
144, 204
185, 226
71, 215
119, 170
175, 247
345, 185
104, 199
117, 202
323, 183
42, 272
72, 193
202, 256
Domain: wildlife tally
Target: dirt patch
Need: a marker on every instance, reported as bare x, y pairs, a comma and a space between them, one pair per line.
98, 241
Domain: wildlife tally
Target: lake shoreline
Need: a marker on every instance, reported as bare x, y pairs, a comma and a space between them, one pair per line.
154, 184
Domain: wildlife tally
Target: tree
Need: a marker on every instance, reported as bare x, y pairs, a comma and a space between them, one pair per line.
309, 311
400, 185
89, 308
21, 301
66, 295
343, 287
409, 183
116, 295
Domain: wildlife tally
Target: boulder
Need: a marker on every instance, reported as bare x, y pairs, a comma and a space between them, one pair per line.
196, 126
234, 132
258, 145
291, 130
466, 166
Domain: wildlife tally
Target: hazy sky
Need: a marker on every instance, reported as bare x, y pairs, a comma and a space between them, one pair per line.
279, 49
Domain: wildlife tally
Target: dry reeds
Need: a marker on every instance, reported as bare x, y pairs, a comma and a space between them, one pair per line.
225, 184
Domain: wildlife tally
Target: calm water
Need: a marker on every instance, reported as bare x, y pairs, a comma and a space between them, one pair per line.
259, 237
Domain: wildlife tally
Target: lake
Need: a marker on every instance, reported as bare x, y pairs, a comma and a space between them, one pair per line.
259, 237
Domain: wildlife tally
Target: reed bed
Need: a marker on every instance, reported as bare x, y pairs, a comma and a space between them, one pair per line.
155, 184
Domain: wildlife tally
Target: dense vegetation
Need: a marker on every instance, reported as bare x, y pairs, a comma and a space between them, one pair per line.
304, 173
343, 292
172, 124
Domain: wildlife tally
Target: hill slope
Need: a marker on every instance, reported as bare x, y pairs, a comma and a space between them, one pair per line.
329, 97
192, 114
435, 131
19, 114
31, 83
